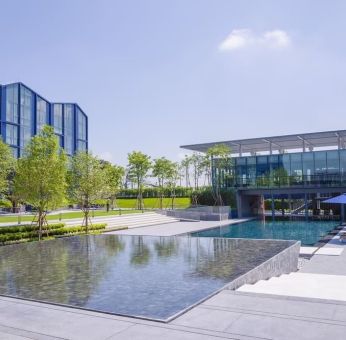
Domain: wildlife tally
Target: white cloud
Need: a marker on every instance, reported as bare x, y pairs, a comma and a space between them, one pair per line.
238, 39
243, 38
277, 38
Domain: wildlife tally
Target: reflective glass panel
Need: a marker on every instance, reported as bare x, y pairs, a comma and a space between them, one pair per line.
42, 113
320, 162
81, 125
58, 118
69, 127
11, 134
26, 110
333, 161
12, 103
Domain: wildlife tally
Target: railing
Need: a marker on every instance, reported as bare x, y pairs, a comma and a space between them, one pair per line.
323, 180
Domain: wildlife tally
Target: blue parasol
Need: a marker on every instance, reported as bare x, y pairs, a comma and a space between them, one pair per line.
341, 199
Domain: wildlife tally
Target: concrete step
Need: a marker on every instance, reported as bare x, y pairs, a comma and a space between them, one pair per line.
318, 286
133, 221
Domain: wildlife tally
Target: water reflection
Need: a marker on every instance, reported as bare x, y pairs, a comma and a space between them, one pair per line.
133, 275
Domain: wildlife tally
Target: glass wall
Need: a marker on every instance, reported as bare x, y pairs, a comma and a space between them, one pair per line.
82, 128
12, 114
316, 168
12, 134
69, 128
42, 113
26, 114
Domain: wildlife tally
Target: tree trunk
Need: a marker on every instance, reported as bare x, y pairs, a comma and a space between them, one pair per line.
40, 223
86, 219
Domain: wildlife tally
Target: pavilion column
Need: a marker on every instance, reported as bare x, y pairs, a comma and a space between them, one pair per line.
306, 206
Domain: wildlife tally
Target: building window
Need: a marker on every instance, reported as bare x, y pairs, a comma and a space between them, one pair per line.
26, 109
41, 113
12, 103
57, 118
82, 130
69, 127
81, 145
11, 134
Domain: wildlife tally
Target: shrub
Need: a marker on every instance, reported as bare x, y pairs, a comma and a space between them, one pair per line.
205, 197
30, 232
27, 228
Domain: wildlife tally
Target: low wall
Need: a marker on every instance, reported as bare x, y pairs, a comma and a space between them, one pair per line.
282, 263
208, 213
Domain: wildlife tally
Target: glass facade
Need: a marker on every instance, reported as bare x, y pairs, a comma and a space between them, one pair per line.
26, 115
12, 114
69, 128
23, 113
81, 130
42, 113
315, 168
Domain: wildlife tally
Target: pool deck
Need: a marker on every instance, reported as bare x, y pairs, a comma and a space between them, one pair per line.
227, 315
176, 228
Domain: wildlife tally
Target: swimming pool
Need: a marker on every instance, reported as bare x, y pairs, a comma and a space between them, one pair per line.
141, 276
307, 232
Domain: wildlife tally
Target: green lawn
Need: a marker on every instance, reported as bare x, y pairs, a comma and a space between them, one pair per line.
149, 203
154, 203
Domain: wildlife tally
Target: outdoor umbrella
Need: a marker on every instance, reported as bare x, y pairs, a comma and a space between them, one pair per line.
341, 199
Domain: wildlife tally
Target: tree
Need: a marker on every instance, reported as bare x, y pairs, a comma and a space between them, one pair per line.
139, 166
185, 163
161, 170
7, 164
220, 159
196, 160
173, 176
114, 175
86, 179
41, 175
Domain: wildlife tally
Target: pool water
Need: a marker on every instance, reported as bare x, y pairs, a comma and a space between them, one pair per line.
142, 276
307, 232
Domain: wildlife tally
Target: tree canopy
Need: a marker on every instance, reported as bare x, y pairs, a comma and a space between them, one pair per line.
139, 166
87, 182
114, 175
40, 179
7, 164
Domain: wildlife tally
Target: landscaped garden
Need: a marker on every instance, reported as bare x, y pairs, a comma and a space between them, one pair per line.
28, 232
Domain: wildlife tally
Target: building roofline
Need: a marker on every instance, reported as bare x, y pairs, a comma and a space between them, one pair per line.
308, 140
44, 98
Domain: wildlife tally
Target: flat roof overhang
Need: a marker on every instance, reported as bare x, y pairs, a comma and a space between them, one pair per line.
303, 141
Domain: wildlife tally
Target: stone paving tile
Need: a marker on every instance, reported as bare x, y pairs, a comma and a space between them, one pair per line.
287, 329
15, 333
203, 318
144, 332
264, 304
60, 323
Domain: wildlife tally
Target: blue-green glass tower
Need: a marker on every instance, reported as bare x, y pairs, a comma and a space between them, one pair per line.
23, 113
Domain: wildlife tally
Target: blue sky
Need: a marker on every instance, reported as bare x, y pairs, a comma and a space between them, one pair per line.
156, 74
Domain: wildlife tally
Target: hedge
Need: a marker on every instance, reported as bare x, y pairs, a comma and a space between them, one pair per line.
61, 230
28, 227
205, 197
154, 192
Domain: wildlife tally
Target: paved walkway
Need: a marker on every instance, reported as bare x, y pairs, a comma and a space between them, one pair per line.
126, 220
227, 315
177, 228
